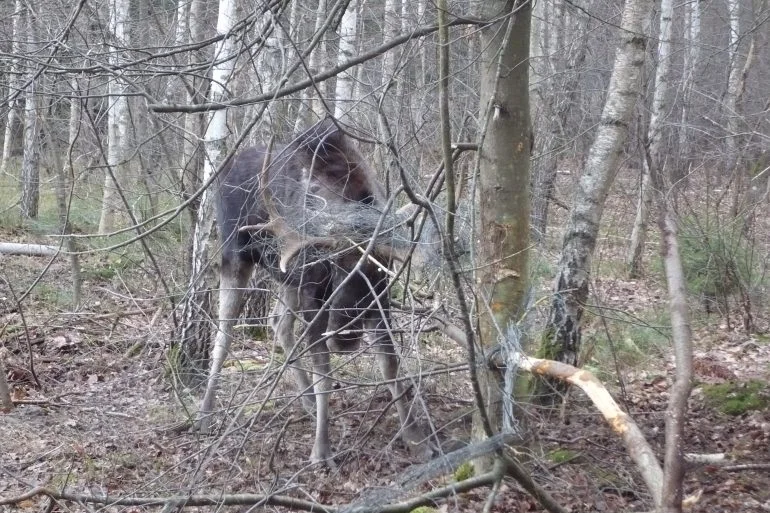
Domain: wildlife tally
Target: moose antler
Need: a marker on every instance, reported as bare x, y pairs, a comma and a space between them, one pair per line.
292, 240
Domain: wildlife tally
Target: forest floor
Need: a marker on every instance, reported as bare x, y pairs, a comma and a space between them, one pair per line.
97, 413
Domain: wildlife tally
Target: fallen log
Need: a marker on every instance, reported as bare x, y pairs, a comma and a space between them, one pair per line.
13, 248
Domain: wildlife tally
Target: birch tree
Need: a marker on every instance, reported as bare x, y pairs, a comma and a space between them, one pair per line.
13, 95
310, 102
117, 122
555, 91
561, 339
193, 122
655, 154
30, 165
64, 183
196, 310
691, 57
343, 94
503, 189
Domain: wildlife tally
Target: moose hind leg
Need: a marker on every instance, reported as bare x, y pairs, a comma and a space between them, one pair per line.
233, 280
412, 432
284, 314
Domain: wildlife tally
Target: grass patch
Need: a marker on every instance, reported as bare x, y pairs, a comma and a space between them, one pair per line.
562, 455
630, 343
737, 398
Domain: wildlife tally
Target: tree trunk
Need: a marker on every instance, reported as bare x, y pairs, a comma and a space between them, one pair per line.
681, 334
691, 56
64, 180
12, 121
343, 94
311, 103
196, 324
563, 66
117, 122
657, 153
193, 123
561, 340
30, 166
504, 192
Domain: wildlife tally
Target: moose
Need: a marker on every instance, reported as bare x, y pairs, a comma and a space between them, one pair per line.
290, 210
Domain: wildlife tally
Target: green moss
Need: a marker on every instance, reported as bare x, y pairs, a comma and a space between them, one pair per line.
464, 471
737, 398
562, 455
424, 509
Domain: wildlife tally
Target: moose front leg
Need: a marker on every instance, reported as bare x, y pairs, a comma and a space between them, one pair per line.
234, 278
282, 322
412, 432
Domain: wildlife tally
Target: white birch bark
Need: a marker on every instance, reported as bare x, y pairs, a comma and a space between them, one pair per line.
733, 83
560, 73
390, 30
270, 67
343, 94
215, 144
30, 165
13, 103
193, 123
735, 88
691, 56
117, 118
656, 161
310, 102
562, 336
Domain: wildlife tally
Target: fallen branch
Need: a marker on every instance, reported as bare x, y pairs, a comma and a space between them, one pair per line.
13, 248
375, 501
624, 426
252, 499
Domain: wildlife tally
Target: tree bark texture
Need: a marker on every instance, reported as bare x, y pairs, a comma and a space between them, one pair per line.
12, 120
681, 334
656, 162
117, 123
561, 340
503, 184
196, 321
344, 91
561, 73
30, 165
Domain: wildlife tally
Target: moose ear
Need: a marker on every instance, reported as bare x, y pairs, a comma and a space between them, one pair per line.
322, 139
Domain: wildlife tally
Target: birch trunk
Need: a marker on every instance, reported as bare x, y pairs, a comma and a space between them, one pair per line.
343, 94
12, 120
64, 181
504, 192
196, 310
117, 122
311, 103
736, 86
558, 61
691, 56
561, 340
193, 123
656, 162
30, 165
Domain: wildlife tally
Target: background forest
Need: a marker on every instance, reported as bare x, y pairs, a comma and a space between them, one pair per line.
584, 323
